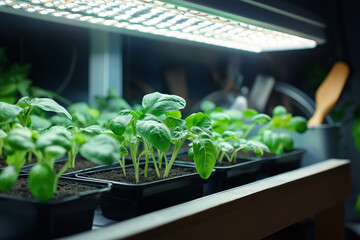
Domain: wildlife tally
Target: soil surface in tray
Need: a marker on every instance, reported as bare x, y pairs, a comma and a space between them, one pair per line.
64, 189
80, 163
118, 176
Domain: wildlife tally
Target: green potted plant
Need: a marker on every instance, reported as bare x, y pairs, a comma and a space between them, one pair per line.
38, 203
156, 182
241, 139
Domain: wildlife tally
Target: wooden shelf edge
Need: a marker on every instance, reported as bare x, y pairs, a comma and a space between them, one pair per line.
250, 211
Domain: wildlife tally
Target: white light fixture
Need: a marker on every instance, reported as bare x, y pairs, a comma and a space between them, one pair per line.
176, 19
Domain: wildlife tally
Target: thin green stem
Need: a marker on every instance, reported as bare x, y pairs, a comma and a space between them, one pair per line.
22, 121
133, 150
160, 155
60, 173
8, 128
173, 157
248, 130
122, 164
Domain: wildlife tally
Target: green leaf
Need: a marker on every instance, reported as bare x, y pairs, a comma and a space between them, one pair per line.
261, 118
42, 181
219, 116
8, 177
23, 102
124, 151
199, 120
226, 147
248, 113
174, 114
118, 124
356, 133
48, 104
155, 133
281, 121
157, 103
234, 114
54, 136
298, 124
172, 123
60, 120
93, 129
39, 123
8, 112
20, 139
2, 134
23, 87
178, 133
101, 149
54, 152
279, 111
191, 153
286, 141
8, 89
357, 207
207, 106
204, 157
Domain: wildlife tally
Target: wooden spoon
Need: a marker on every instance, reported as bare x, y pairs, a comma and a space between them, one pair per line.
329, 92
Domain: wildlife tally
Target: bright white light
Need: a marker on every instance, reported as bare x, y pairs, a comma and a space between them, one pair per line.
159, 18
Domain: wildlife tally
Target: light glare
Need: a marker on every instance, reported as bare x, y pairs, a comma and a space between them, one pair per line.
159, 18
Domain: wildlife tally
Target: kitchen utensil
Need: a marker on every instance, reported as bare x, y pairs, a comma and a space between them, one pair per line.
329, 92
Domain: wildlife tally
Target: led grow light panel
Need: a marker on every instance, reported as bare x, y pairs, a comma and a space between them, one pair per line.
165, 19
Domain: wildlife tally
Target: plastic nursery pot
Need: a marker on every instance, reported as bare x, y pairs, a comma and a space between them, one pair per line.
22, 218
283, 163
127, 200
242, 172
230, 175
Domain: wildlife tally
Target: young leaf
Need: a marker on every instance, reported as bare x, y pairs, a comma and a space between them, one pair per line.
20, 139
226, 147
8, 177
157, 103
54, 152
204, 157
154, 132
172, 123
48, 104
248, 113
39, 123
356, 133
119, 123
261, 118
286, 141
357, 207
174, 114
93, 129
41, 182
234, 114
298, 124
281, 121
53, 137
8, 112
279, 111
207, 106
199, 120
101, 149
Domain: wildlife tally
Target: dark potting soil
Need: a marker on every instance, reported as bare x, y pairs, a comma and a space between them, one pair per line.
64, 189
80, 164
118, 176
